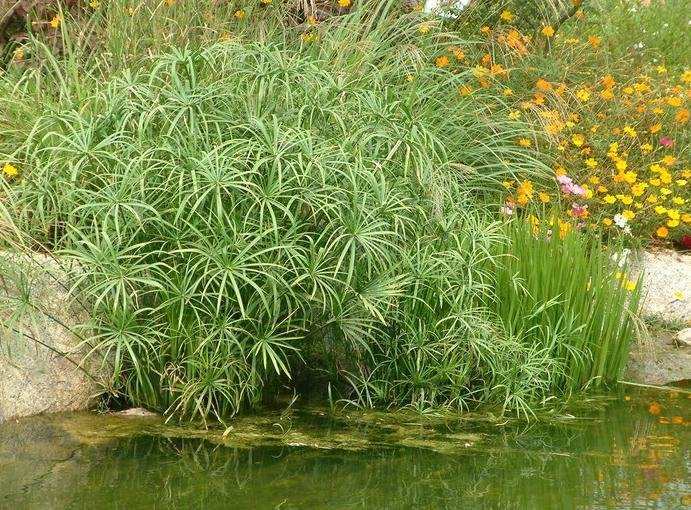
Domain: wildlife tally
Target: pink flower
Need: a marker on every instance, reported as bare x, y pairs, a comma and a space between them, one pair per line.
666, 141
568, 187
579, 211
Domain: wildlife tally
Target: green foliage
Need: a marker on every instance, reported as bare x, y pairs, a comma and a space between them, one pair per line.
568, 296
244, 215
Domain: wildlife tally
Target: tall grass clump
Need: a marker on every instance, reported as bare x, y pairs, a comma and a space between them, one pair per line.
265, 212
566, 295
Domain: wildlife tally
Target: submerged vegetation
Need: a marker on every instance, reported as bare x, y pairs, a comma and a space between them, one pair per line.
277, 211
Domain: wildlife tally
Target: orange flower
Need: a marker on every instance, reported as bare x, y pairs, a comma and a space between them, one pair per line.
442, 61
662, 232
594, 41
543, 85
654, 408
608, 82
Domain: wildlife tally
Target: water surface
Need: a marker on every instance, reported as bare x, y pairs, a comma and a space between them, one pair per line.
625, 451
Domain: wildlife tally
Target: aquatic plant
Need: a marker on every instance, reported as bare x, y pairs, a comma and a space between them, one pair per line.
247, 215
561, 291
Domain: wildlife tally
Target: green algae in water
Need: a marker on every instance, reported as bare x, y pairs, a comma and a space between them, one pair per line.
622, 453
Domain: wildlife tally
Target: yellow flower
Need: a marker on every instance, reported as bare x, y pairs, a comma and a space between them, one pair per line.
609, 199
458, 53
672, 223
662, 232
344, 3
669, 160
524, 142
442, 61
679, 296
506, 16
583, 95
548, 31
591, 163
629, 131
630, 177
626, 199
525, 188
515, 115
544, 197
424, 28
94, 4
686, 76
678, 201
578, 140
564, 228
674, 101
239, 14
682, 116
594, 179
498, 70
55, 22
651, 199
18, 55
655, 128
621, 165
646, 148
661, 69
607, 221
665, 191
507, 184
673, 214
628, 214
630, 285
465, 90
641, 87
10, 170
686, 218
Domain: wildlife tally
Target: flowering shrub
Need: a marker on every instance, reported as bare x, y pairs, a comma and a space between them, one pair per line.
616, 130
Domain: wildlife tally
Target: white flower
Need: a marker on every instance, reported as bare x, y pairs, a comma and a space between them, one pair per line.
620, 221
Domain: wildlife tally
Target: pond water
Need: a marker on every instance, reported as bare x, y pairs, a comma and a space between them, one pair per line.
621, 451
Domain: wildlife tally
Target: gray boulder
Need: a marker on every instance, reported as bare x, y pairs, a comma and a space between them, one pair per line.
42, 366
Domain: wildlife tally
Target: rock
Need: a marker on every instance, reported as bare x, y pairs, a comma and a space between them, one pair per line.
664, 358
41, 358
683, 338
666, 283
659, 361
137, 412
